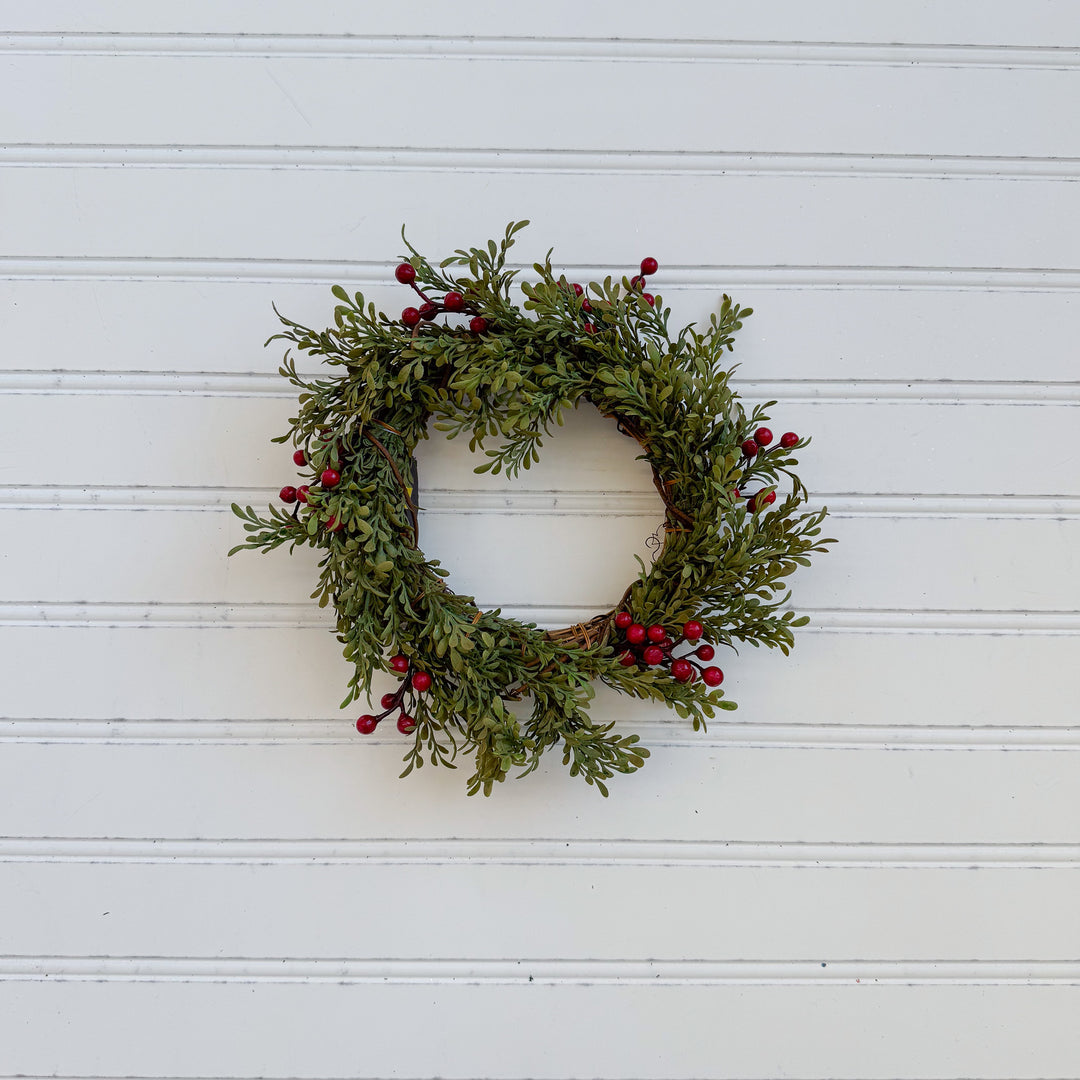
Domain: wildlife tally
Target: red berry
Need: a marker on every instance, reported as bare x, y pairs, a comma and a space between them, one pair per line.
387, 701
300, 458
769, 498
635, 633
330, 478
405, 273
302, 493
478, 324
589, 328
585, 305
453, 301
653, 654
665, 642
637, 283
421, 681
763, 436
648, 298
428, 311
623, 619
627, 659
410, 316
655, 632
712, 676
399, 662
366, 724
682, 670
578, 290
692, 630
405, 723
788, 439
649, 265
704, 652
749, 448
751, 504
288, 494
334, 525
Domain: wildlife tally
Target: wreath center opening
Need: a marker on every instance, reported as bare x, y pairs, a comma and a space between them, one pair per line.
556, 544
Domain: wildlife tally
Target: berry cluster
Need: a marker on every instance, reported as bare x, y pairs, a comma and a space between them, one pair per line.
653, 646
323, 481
754, 449
637, 283
416, 681
453, 302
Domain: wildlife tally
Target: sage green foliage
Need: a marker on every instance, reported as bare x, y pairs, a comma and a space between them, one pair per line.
720, 563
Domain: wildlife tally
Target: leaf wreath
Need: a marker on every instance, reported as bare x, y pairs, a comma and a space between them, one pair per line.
507, 373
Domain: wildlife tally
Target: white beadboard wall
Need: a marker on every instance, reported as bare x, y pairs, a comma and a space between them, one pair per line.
870, 870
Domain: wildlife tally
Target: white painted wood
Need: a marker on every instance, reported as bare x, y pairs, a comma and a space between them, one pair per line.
219, 669
373, 1029
320, 100
550, 911
517, 558
349, 789
867, 870
756, 220
814, 329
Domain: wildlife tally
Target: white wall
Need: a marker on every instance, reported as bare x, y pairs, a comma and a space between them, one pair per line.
870, 870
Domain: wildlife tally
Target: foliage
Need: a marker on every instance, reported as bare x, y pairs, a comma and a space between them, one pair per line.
721, 563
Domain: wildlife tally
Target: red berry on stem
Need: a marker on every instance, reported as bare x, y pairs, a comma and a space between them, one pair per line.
656, 632
410, 316
405, 273
334, 525
649, 265
682, 670
704, 652
623, 619
453, 301
788, 439
366, 724
769, 498
749, 448
648, 298
763, 436
421, 681
302, 493
428, 311
330, 478
478, 324
666, 642
387, 701
751, 504
300, 458
635, 633
692, 630
653, 654
627, 659
585, 305
405, 723
589, 328
637, 282
288, 494
578, 290
399, 662
712, 676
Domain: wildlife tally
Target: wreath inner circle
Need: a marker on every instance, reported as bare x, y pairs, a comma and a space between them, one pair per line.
471, 362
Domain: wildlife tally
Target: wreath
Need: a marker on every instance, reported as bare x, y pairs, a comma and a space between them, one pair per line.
467, 359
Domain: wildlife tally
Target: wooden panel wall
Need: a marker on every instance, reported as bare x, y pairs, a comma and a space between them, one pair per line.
871, 869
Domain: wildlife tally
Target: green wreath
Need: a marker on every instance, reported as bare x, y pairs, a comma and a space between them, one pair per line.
494, 370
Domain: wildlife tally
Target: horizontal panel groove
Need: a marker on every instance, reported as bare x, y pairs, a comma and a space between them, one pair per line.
577, 503
714, 278
829, 620
543, 972
632, 50
820, 391
723, 732
540, 851
542, 160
